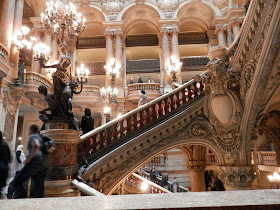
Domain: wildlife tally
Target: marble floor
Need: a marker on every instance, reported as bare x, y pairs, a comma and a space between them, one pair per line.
262, 199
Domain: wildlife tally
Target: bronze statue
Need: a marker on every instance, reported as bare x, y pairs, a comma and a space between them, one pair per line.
63, 89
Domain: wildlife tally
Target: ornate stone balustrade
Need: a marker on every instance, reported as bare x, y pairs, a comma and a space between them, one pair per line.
104, 138
158, 181
33, 81
191, 62
91, 42
154, 162
137, 180
95, 68
211, 159
90, 94
4, 56
267, 158
149, 65
151, 89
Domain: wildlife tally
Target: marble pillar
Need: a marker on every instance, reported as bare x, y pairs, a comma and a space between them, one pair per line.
14, 53
221, 37
2, 114
109, 53
165, 78
63, 163
7, 21
119, 59
235, 29
175, 52
35, 66
196, 168
229, 36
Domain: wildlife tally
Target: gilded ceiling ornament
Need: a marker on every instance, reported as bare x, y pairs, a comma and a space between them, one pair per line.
112, 7
168, 7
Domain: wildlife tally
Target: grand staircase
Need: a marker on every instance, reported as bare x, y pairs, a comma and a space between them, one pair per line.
116, 149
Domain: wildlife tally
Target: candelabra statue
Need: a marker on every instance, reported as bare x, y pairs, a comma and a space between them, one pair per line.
60, 102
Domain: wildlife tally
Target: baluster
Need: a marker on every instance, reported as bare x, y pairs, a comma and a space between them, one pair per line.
195, 89
115, 131
189, 93
121, 129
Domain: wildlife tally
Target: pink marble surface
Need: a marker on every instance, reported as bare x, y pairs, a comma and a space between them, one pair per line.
149, 201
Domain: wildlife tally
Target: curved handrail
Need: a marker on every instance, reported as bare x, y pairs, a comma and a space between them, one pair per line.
152, 187
107, 125
38, 77
158, 181
4, 51
121, 127
239, 41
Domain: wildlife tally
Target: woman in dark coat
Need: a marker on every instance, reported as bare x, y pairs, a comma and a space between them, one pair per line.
5, 157
87, 123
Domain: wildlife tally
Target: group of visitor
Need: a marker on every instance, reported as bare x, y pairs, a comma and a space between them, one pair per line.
32, 166
139, 80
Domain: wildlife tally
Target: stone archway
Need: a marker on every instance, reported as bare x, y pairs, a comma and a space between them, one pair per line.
184, 129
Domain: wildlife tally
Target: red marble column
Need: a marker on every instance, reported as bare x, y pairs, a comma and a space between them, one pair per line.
63, 162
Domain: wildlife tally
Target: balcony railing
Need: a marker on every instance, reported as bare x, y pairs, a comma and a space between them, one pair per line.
194, 62
158, 179
89, 94
102, 139
33, 78
211, 159
137, 180
4, 56
145, 65
95, 68
151, 89
267, 158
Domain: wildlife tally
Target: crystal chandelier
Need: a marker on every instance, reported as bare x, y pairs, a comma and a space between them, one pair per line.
174, 67
109, 92
82, 74
19, 39
66, 24
41, 51
112, 70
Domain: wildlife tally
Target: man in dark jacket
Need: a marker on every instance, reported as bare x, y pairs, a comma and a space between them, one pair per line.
35, 166
87, 123
164, 180
5, 157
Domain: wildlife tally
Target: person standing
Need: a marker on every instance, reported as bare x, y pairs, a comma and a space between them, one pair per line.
87, 123
19, 160
143, 98
139, 79
5, 158
174, 184
131, 80
164, 180
35, 166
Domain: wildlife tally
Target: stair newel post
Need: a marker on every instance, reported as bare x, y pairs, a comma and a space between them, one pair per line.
63, 163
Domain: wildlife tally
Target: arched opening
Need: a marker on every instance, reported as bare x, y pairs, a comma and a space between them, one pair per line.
196, 19
176, 166
142, 51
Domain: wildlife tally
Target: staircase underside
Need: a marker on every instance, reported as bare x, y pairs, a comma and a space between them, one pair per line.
107, 172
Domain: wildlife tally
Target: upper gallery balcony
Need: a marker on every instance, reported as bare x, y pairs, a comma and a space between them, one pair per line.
33, 81
4, 61
90, 94
152, 91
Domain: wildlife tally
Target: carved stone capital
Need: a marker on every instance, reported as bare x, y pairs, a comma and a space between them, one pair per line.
196, 165
237, 178
12, 99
